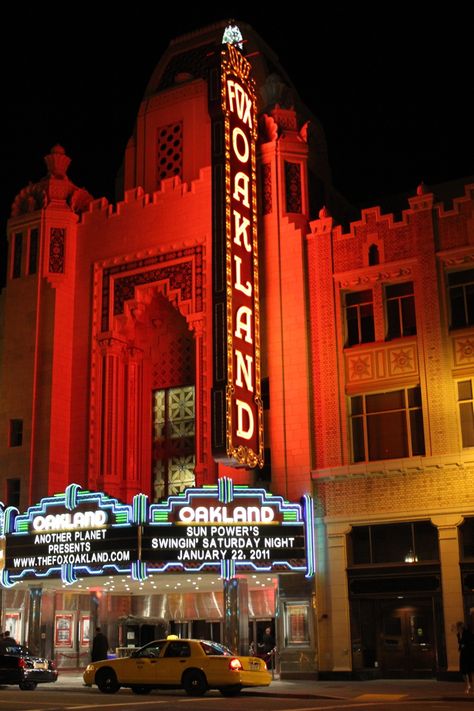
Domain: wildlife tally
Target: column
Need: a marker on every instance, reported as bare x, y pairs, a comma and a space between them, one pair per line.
132, 427
451, 583
236, 615
379, 317
34, 619
338, 595
112, 416
200, 473
94, 613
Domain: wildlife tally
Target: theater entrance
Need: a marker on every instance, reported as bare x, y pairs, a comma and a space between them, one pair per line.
407, 640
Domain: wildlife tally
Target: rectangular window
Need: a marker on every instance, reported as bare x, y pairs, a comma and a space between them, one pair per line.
400, 302
461, 298
17, 254
359, 317
16, 433
466, 412
409, 542
13, 492
387, 425
33, 252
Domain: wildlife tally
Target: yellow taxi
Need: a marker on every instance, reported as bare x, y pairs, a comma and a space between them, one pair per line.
193, 664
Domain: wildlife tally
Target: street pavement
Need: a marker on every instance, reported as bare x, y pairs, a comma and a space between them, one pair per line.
389, 690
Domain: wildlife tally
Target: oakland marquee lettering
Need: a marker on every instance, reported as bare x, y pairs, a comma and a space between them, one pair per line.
240, 105
224, 514
242, 419
67, 521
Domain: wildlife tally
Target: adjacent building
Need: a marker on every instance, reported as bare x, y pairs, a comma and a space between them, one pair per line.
390, 305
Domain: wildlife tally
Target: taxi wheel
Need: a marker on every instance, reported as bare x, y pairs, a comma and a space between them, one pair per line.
231, 690
195, 683
141, 689
27, 685
106, 680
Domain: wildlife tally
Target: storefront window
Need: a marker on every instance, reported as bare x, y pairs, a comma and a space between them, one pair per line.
393, 543
296, 624
467, 538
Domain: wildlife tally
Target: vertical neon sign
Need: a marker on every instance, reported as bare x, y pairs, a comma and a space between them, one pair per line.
237, 406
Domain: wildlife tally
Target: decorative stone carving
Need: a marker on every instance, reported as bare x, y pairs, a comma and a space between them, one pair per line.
182, 270
268, 129
361, 368
303, 132
54, 186
381, 363
293, 187
266, 177
463, 348
57, 250
401, 360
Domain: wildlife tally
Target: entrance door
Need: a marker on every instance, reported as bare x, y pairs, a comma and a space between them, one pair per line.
206, 629
147, 634
407, 640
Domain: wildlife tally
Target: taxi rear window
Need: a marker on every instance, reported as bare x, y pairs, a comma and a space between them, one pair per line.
212, 648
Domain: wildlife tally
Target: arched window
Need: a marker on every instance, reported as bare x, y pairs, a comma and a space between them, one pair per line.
374, 257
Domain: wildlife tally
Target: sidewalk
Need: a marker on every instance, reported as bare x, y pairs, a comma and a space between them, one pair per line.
365, 691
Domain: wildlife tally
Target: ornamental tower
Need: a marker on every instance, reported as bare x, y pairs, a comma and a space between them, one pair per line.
39, 314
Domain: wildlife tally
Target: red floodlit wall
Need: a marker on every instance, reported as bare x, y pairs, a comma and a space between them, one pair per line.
120, 289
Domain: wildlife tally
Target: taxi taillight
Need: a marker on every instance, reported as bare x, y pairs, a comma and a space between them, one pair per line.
235, 665
22, 663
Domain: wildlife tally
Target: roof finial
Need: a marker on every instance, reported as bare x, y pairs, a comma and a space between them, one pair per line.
233, 35
422, 189
57, 162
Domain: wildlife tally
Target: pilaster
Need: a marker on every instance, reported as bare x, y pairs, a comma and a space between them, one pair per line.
451, 584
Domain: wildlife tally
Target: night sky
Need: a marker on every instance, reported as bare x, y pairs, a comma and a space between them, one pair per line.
393, 96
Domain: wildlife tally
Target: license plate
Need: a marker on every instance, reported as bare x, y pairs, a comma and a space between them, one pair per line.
40, 665
254, 665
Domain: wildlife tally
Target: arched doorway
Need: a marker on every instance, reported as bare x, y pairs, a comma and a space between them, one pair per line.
147, 410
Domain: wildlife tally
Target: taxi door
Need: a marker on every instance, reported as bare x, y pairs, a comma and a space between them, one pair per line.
142, 667
175, 660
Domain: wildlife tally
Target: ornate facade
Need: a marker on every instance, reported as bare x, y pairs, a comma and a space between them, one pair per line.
367, 347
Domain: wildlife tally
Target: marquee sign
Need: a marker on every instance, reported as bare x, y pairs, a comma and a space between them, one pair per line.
222, 528
237, 406
74, 533
232, 529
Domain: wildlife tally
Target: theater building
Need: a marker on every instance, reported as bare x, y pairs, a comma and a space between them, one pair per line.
217, 328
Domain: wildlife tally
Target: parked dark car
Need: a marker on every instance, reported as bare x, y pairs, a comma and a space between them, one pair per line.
19, 666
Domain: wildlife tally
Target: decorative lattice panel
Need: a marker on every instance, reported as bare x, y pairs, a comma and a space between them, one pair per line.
173, 447
175, 364
170, 151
